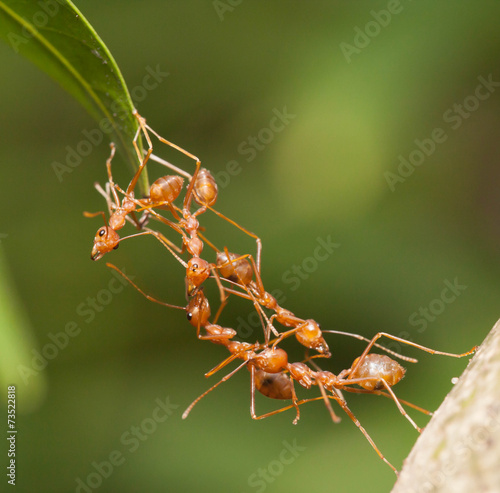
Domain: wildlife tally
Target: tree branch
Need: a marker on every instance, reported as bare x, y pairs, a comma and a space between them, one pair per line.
459, 450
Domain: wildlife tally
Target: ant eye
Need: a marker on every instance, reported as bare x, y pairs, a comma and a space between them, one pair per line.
115, 247
194, 267
102, 232
189, 315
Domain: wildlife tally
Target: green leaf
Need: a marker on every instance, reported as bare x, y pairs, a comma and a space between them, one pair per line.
17, 344
55, 36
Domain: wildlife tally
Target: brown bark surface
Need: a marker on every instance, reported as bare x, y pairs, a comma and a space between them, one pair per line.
459, 451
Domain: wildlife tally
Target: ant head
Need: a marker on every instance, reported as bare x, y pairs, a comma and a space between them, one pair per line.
310, 336
197, 271
105, 240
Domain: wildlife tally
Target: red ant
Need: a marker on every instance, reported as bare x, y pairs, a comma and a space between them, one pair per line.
307, 332
165, 189
372, 372
203, 189
197, 312
271, 372
162, 194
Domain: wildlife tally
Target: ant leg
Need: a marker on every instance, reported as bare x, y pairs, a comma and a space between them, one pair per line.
409, 343
294, 401
137, 135
335, 418
355, 420
283, 335
145, 128
133, 182
94, 214
249, 296
223, 363
166, 221
150, 210
129, 194
346, 409
208, 242
296, 405
149, 297
106, 194
246, 231
224, 379
392, 395
328, 405
380, 392
262, 416
142, 160
139, 223
110, 176
223, 295
258, 278
361, 338
190, 189
268, 327
164, 241
173, 167
247, 347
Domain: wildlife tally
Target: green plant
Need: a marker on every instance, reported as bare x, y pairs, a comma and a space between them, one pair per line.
56, 37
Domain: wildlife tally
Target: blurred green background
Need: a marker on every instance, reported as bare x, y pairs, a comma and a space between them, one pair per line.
356, 110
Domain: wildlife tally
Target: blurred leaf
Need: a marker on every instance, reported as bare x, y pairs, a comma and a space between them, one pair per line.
57, 38
16, 342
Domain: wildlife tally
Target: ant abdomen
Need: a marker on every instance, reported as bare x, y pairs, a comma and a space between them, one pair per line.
238, 270
273, 385
205, 188
377, 366
166, 189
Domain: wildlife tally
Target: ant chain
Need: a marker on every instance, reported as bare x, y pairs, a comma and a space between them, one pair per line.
240, 275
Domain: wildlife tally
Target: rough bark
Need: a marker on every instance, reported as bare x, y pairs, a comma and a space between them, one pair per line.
459, 450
